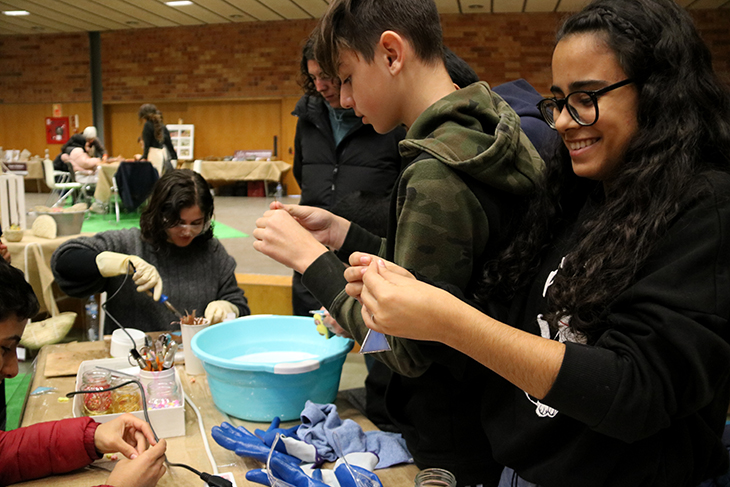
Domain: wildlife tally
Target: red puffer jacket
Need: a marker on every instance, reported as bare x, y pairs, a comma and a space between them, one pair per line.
46, 448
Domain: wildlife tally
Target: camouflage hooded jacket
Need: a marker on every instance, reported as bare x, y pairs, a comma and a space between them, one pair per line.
464, 160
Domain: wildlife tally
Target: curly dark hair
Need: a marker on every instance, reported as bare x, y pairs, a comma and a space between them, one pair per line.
305, 80
149, 113
16, 296
174, 191
684, 129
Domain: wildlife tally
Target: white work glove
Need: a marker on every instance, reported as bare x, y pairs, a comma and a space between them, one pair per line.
145, 276
217, 311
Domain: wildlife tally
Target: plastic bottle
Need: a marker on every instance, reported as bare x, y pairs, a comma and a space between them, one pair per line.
48, 155
92, 319
279, 191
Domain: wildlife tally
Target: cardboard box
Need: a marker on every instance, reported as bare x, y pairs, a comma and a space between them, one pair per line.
167, 422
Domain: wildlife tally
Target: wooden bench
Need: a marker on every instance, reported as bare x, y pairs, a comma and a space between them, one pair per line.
267, 294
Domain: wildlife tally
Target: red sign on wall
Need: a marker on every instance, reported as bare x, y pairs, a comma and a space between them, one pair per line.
57, 130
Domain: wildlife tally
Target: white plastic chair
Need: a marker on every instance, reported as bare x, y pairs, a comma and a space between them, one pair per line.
12, 200
50, 174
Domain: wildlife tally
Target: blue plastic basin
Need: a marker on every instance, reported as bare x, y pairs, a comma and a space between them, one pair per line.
260, 367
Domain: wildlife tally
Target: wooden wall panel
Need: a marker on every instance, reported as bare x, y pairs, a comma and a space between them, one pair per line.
22, 125
221, 127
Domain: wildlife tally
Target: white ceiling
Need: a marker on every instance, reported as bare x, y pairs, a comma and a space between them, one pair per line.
56, 16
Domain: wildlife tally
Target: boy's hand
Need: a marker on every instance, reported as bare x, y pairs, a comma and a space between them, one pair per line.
126, 434
327, 228
279, 236
332, 325
144, 471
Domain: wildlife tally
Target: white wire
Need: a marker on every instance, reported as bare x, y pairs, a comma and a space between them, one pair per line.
202, 433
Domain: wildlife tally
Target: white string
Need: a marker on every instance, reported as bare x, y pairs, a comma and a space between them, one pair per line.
202, 433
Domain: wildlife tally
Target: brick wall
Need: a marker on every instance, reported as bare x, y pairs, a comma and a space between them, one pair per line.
253, 60
44, 68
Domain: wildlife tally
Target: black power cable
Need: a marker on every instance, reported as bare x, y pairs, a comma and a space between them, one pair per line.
212, 480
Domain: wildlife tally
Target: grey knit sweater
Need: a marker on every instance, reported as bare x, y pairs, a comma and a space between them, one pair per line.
192, 277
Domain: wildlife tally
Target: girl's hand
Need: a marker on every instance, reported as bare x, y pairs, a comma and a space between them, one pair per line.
395, 303
144, 471
359, 263
126, 434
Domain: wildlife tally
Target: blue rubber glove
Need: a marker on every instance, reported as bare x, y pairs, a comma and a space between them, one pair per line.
296, 477
270, 434
290, 443
246, 444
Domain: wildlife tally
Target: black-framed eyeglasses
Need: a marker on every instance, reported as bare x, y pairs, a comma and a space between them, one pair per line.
582, 105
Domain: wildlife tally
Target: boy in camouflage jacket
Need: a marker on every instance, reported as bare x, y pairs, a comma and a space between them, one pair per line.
467, 167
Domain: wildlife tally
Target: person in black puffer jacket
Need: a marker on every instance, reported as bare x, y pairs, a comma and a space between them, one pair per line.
335, 154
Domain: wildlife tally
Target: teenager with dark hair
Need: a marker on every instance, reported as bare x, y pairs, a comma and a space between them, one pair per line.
466, 169
335, 154
174, 245
57, 447
607, 331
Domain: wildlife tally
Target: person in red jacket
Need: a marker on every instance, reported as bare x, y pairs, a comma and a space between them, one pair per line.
57, 447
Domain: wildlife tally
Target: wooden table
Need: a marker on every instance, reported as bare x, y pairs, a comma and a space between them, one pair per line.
187, 449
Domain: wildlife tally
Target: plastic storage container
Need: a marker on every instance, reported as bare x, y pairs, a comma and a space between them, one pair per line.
260, 367
67, 222
168, 422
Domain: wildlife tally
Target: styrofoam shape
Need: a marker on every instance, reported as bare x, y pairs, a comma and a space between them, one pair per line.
167, 422
263, 366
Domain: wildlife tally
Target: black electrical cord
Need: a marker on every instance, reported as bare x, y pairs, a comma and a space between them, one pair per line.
212, 480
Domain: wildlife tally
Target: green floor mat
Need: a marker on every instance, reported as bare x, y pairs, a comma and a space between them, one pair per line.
15, 390
101, 223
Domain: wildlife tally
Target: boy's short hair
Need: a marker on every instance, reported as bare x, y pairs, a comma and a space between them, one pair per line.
16, 296
358, 24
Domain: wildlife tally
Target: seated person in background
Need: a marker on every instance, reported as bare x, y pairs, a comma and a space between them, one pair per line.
57, 447
175, 246
61, 160
93, 146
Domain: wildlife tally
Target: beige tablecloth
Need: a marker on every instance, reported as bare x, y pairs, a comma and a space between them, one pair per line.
243, 170
104, 181
32, 255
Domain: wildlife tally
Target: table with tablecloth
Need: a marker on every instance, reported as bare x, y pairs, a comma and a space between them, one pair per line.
242, 170
32, 255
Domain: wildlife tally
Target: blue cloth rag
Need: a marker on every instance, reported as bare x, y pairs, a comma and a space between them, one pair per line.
320, 421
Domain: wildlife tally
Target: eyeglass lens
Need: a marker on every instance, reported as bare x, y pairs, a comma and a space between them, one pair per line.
581, 106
